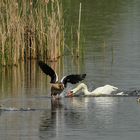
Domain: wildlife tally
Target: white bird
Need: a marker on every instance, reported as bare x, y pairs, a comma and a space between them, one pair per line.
104, 90
138, 99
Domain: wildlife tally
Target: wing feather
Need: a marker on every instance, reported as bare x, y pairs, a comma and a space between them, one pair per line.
48, 71
73, 79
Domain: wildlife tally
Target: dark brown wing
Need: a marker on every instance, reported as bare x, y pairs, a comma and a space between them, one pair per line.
73, 79
48, 71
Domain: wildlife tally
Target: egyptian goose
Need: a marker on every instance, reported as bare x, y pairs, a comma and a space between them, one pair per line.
58, 87
104, 90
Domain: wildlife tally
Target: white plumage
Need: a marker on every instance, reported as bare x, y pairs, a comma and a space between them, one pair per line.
104, 90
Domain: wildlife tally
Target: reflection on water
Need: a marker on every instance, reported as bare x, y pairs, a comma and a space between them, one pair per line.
49, 120
71, 118
99, 118
21, 80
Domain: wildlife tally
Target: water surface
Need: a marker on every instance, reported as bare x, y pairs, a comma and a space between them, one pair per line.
110, 38
99, 118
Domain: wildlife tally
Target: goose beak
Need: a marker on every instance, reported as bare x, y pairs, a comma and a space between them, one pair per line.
70, 94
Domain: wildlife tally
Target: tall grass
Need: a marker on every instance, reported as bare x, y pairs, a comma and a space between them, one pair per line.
30, 29
78, 31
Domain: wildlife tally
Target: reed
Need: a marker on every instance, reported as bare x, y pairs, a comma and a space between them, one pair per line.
32, 29
78, 31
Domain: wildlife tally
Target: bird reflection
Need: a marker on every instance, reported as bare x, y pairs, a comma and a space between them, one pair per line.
49, 119
56, 104
61, 114
75, 114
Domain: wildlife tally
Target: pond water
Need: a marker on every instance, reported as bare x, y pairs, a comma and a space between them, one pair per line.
101, 118
110, 38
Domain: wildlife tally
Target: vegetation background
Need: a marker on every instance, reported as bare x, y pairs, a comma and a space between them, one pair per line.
35, 29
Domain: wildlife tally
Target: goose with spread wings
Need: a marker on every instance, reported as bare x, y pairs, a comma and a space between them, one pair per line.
58, 87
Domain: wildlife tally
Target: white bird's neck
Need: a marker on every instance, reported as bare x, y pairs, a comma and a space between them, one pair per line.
104, 90
82, 87
86, 91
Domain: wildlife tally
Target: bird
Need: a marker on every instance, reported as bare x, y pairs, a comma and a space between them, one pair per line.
56, 86
138, 99
104, 90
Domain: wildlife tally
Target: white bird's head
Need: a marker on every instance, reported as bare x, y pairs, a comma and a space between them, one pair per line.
81, 86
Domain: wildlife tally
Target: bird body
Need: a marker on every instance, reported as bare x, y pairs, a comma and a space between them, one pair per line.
58, 87
138, 99
104, 90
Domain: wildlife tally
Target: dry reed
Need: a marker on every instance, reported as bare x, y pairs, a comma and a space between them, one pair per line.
78, 31
31, 29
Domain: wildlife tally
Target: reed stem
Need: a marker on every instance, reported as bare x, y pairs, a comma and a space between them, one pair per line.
32, 29
78, 31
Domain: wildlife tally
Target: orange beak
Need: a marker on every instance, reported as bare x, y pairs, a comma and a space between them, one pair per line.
70, 94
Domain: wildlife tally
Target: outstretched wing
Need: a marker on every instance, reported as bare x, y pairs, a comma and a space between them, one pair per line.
73, 79
48, 71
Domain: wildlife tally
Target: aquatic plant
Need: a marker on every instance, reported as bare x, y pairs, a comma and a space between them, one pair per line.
32, 29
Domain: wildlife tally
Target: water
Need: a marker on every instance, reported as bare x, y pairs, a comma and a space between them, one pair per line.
110, 31
94, 118
99, 118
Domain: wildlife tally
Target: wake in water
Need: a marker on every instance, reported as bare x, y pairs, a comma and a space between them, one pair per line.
132, 92
120, 93
3, 108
